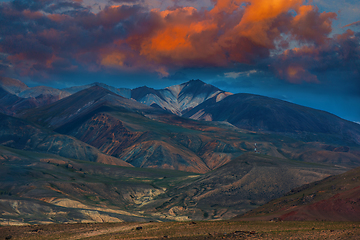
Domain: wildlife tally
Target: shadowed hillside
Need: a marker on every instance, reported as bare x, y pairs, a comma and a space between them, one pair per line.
259, 113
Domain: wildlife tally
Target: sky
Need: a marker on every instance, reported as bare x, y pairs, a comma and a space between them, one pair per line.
305, 52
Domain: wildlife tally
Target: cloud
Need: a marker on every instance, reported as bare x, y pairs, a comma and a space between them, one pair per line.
340, 53
355, 24
237, 74
46, 37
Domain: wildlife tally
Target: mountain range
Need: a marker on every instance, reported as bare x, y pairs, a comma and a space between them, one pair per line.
207, 153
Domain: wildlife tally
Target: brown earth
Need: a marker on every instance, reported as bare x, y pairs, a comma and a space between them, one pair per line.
336, 198
186, 230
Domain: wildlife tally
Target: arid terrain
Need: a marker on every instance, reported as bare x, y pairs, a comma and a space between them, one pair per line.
186, 230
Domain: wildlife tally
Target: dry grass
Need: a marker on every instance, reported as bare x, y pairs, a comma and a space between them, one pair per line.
187, 230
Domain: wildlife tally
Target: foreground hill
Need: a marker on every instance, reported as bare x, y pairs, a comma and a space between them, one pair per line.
335, 198
240, 185
47, 188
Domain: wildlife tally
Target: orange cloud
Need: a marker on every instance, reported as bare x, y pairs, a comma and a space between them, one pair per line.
176, 40
258, 22
113, 59
311, 26
357, 23
297, 74
188, 37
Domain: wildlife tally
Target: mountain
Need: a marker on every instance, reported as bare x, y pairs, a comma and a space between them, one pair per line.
15, 96
259, 113
335, 198
8, 102
151, 137
55, 158
11, 104
12, 86
179, 98
45, 91
20, 89
21, 134
124, 92
70, 108
240, 185
119, 127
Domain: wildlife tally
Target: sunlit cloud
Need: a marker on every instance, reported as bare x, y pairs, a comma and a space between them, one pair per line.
47, 37
355, 24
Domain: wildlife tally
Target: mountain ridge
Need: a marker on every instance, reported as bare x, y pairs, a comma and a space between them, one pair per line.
260, 113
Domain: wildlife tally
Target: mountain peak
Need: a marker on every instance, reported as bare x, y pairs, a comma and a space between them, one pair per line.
140, 92
196, 87
195, 81
178, 98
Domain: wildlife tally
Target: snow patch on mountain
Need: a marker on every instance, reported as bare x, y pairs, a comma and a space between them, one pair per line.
180, 98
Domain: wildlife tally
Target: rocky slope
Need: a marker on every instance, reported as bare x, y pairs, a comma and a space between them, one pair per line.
40, 188
21, 134
46, 188
240, 185
335, 198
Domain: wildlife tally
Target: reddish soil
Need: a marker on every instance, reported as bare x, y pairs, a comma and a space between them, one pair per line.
344, 206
